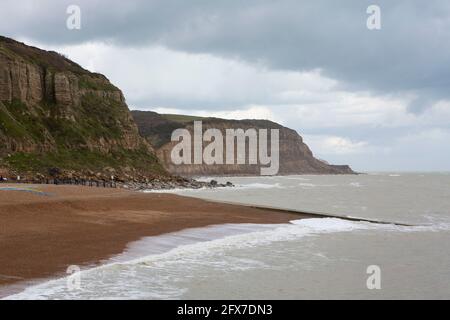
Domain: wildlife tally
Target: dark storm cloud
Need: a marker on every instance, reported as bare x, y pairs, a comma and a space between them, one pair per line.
410, 54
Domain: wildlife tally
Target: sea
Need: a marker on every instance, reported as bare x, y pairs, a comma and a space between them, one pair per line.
318, 258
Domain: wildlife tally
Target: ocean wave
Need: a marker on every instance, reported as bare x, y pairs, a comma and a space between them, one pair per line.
295, 178
312, 185
261, 186
355, 184
177, 190
156, 276
255, 185
307, 185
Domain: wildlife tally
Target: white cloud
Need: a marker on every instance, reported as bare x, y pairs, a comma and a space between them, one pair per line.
156, 77
433, 136
251, 112
360, 128
326, 145
159, 77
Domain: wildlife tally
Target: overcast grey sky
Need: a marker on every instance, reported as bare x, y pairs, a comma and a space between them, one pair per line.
375, 99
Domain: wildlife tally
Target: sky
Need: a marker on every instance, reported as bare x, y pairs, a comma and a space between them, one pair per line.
378, 100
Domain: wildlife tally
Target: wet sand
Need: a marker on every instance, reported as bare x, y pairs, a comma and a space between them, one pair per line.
48, 228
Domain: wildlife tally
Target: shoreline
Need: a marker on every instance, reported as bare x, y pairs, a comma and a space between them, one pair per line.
47, 228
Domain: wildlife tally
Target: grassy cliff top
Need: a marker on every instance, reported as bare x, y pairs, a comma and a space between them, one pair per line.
45, 59
157, 128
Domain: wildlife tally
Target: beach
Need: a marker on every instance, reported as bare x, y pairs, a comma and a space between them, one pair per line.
44, 228
194, 244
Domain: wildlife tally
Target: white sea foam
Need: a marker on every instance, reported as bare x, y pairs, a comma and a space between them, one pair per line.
306, 185
261, 186
355, 184
154, 276
176, 190
203, 189
312, 185
295, 178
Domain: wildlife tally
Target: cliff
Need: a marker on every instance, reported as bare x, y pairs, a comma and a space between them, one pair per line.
57, 116
295, 157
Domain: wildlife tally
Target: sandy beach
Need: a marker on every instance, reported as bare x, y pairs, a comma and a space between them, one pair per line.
45, 228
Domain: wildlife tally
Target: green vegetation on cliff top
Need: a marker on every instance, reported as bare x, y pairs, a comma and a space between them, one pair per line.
181, 118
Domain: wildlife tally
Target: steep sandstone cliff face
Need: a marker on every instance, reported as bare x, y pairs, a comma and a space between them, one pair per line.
295, 157
53, 113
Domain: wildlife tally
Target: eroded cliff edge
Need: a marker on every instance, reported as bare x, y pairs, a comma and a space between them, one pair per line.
295, 156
